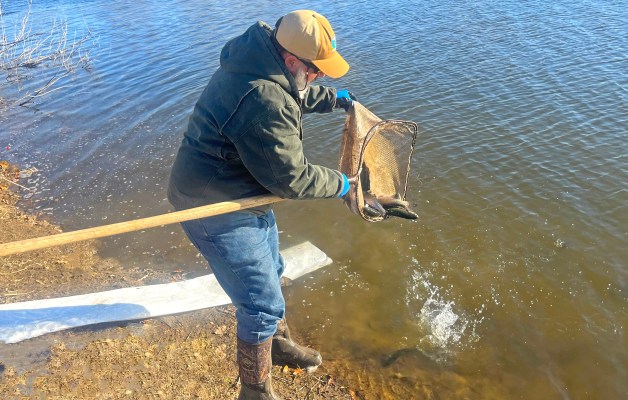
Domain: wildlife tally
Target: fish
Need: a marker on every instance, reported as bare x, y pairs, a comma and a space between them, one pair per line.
396, 207
383, 206
411, 359
372, 207
387, 206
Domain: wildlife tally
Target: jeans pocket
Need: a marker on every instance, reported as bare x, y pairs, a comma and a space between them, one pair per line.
264, 223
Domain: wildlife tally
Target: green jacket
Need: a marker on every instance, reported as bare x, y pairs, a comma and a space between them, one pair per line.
244, 137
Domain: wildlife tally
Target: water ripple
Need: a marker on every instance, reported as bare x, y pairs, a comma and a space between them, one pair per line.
519, 175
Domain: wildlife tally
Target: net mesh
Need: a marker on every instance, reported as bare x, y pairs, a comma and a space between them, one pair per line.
378, 154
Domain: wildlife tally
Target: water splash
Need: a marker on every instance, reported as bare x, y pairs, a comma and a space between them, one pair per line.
445, 327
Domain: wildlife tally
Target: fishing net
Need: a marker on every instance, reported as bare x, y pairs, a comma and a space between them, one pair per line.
378, 154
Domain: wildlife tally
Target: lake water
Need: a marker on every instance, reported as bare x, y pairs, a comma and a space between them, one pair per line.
513, 282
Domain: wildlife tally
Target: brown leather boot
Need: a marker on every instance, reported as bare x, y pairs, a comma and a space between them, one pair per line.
287, 352
254, 364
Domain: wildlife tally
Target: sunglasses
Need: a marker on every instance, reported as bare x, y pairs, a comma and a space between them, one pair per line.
311, 66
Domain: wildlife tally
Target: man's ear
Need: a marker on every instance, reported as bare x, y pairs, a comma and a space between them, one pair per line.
291, 62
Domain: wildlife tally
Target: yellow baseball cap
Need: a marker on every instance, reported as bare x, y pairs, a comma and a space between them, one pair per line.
308, 35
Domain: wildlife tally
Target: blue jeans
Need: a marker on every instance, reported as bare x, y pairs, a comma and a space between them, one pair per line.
243, 251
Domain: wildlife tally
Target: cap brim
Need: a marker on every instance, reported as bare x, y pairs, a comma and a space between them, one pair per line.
334, 66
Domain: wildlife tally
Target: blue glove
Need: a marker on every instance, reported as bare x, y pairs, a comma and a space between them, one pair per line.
344, 99
345, 186
347, 182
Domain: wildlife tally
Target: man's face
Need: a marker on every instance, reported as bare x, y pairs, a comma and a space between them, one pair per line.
303, 73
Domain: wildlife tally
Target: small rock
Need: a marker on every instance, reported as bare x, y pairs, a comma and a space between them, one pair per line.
221, 330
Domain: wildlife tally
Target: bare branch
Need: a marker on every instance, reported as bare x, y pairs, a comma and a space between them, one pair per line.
28, 54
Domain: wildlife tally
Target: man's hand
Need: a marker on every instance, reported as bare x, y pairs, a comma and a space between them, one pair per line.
344, 99
347, 182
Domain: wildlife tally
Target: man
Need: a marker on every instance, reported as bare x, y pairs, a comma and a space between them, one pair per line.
244, 138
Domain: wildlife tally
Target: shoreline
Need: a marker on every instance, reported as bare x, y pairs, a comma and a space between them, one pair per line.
190, 355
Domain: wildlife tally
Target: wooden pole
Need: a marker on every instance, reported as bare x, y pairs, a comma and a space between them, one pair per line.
135, 225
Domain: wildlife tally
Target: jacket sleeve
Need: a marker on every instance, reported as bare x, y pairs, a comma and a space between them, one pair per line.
272, 152
319, 99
